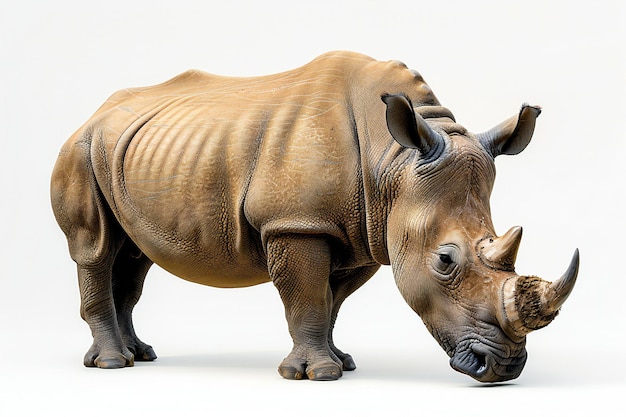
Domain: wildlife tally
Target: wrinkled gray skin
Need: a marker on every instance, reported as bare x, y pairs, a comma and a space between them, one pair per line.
310, 179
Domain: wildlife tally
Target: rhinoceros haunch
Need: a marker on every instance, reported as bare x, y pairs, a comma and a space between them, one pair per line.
310, 179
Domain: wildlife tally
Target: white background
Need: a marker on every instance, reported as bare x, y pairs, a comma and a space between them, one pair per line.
219, 349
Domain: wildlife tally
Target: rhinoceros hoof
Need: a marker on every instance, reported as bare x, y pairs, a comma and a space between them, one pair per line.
291, 372
142, 352
113, 362
348, 363
108, 359
325, 371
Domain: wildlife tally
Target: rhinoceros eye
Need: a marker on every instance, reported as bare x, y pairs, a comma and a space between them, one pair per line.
445, 258
444, 261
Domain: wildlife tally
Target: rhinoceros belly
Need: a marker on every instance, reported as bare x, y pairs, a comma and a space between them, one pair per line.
180, 198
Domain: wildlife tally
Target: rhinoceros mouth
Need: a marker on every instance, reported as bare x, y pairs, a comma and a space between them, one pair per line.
485, 364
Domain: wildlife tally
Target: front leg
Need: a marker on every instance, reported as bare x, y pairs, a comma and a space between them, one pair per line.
299, 266
343, 284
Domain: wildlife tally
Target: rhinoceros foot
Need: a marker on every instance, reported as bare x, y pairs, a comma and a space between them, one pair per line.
346, 360
348, 363
108, 358
321, 368
291, 372
141, 351
328, 371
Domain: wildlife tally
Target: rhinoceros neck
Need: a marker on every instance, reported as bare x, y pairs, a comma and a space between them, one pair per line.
383, 161
379, 156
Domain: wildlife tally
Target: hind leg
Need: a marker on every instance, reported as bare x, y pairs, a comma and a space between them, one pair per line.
93, 238
129, 272
95, 279
97, 309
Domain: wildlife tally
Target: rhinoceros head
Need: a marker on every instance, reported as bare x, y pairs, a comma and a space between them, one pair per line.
448, 262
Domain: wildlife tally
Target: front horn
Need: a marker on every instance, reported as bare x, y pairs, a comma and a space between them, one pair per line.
530, 303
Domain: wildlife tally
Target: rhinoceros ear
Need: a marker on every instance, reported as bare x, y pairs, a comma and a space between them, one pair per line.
408, 128
513, 135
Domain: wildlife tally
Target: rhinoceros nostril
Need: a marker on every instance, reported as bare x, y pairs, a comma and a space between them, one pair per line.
470, 361
481, 362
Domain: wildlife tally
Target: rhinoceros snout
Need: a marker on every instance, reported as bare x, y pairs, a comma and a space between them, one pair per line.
484, 364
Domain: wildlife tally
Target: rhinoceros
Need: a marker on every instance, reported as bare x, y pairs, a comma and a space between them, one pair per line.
310, 179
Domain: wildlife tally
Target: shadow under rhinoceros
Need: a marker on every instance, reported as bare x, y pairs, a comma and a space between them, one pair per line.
370, 367
240, 360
